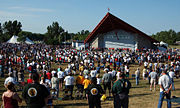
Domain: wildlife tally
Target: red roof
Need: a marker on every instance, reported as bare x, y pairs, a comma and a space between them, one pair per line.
111, 22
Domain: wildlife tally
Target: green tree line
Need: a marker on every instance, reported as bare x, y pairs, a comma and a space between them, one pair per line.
55, 34
169, 37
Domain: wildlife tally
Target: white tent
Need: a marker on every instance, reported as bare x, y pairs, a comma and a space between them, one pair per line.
14, 40
163, 43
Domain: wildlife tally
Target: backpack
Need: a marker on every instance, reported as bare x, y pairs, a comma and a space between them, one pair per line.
125, 86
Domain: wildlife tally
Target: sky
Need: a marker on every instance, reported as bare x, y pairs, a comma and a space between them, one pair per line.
149, 16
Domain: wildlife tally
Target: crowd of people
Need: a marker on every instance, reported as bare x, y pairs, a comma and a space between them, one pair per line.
83, 71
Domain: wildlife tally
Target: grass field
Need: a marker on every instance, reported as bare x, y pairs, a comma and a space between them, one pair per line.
174, 46
140, 96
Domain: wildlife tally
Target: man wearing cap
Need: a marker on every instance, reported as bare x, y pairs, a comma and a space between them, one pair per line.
120, 91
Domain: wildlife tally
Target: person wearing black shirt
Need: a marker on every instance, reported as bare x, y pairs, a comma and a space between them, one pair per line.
35, 94
94, 92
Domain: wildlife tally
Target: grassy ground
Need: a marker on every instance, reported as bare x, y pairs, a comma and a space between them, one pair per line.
174, 46
140, 96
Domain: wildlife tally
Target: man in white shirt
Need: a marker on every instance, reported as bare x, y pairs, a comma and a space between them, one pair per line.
69, 84
165, 84
145, 64
9, 79
53, 72
153, 76
93, 73
137, 73
60, 75
67, 71
171, 75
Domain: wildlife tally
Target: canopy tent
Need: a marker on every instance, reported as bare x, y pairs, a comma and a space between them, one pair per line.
14, 40
163, 43
28, 41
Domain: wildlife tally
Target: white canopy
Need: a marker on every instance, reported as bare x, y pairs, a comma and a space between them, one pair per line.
14, 40
163, 43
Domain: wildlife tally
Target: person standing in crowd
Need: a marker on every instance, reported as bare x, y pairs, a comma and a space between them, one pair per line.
9, 79
107, 80
29, 80
55, 84
171, 75
10, 98
60, 75
137, 73
15, 74
79, 83
153, 76
86, 82
93, 94
165, 84
49, 75
69, 84
35, 94
120, 91
93, 72
98, 79
145, 73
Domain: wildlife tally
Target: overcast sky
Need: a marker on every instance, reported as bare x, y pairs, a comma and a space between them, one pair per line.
149, 16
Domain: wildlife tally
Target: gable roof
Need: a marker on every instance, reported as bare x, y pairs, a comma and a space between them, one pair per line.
111, 22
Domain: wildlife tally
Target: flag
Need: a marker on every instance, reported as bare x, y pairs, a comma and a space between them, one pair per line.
108, 9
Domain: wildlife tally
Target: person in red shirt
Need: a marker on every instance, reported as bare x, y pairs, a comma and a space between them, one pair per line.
29, 80
30, 69
49, 75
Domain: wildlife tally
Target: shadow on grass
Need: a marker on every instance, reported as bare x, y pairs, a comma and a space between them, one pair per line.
177, 89
63, 105
70, 104
138, 87
139, 95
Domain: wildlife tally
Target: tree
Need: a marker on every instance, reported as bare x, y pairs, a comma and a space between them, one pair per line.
32, 36
169, 37
178, 36
81, 35
1, 31
21, 39
54, 34
1, 34
12, 28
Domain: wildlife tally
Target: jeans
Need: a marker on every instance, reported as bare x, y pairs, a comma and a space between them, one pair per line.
161, 98
69, 88
121, 102
137, 80
80, 87
173, 88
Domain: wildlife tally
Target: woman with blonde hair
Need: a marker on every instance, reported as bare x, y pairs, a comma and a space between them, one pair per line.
10, 98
